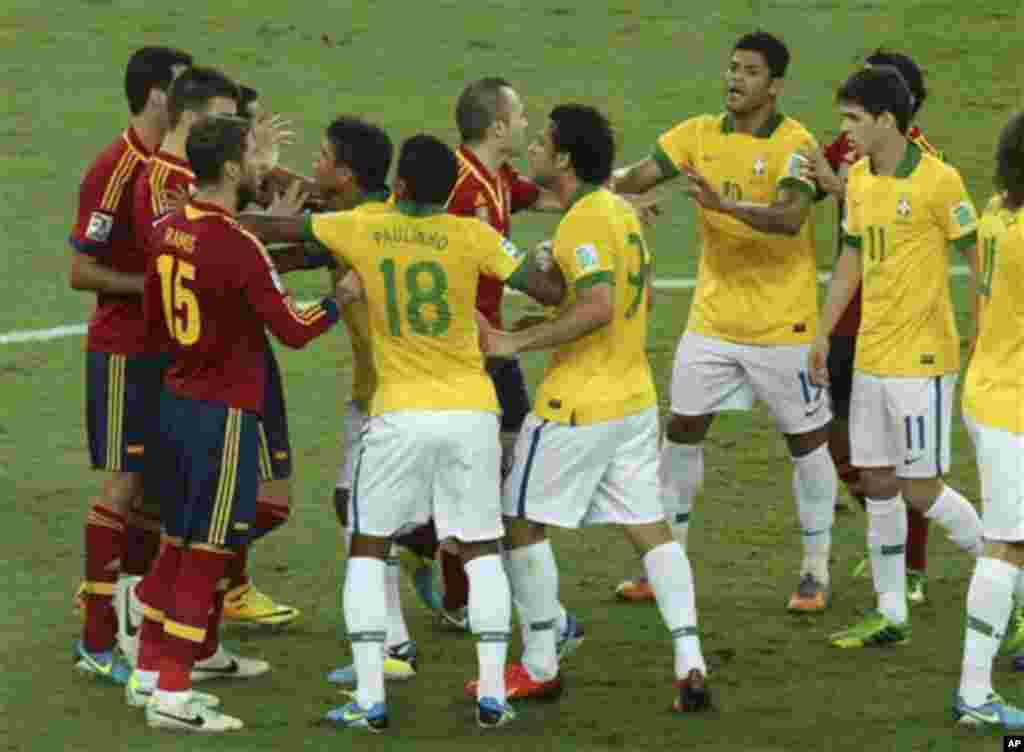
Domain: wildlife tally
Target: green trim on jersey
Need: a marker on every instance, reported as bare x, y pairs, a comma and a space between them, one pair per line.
413, 209
911, 159
965, 242
765, 131
798, 184
596, 278
853, 241
518, 279
664, 162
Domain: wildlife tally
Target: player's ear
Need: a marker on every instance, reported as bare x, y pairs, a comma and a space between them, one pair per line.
562, 161
399, 188
776, 87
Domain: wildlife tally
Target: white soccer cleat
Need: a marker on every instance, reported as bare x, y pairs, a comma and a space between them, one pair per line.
129, 617
189, 716
137, 697
227, 665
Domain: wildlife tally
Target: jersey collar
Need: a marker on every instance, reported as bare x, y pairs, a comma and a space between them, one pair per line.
170, 159
911, 158
765, 131
204, 208
413, 209
134, 141
380, 196
582, 192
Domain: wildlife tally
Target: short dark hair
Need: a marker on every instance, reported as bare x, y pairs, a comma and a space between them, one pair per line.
478, 107
364, 148
908, 69
213, 142
150, 68
1010, 158
586, 136
246, 96
428, 168
773, 49
193, 90
878, 89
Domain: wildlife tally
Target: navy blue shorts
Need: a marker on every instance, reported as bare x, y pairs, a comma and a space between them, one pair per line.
206, 471
122, 405
275, 449
512, 395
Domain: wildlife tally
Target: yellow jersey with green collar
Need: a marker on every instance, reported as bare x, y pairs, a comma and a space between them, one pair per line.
420, 267
604, 375
903, 224
753, 287
994, 387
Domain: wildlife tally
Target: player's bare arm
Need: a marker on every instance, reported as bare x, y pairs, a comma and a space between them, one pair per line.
638, 178
349, 289
593, 309
275, 229
89, 275
970, 254
540, 280
845, 280
785, 216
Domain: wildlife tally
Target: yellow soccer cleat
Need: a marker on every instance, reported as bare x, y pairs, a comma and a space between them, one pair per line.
245, 604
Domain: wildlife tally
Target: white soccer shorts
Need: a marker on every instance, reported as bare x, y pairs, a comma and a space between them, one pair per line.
1001, 470
355, 422
597, 474
418, 465
902, 422
711, 375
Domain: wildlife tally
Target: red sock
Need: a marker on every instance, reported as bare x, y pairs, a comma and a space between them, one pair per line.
917, 540
212, 642
269, 517
155, 592
187, 620
456, 583
237, 573
104, 541
141, 544
422, 541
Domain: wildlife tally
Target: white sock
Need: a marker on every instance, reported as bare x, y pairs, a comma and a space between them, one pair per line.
398, 632
671, 578
959, 519
815, 485
534, 578
146, 679
887, 544
989, 602
681, 473
348, 540
490, 614
366, 618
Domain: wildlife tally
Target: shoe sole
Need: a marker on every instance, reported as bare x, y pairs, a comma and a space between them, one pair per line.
627, 597
895, 643
263, 621
800, 607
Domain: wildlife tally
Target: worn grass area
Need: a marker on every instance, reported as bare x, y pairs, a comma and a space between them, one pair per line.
648, 63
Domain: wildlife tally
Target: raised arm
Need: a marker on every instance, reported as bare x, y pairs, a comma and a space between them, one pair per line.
639, 177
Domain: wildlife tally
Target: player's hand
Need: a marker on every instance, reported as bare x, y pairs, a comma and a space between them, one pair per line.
271, 133
177, 198
289, 203
817, 169
288, 258
701, 191
527, 321
349, 289
817, 362
543, 256
647, 205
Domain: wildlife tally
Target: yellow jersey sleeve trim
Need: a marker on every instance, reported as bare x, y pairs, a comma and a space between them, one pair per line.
791, 183
854, 241
966, 241
596, 278
664, 162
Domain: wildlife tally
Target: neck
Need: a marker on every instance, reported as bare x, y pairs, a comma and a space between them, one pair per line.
565, 187
887, 157
224, 195
174, 142
489, 156
754, 120
345, 199
149, 133
1013, 202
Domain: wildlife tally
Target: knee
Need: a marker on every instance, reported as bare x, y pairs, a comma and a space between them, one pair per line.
877, 484
687, 429
121, 490
520, 532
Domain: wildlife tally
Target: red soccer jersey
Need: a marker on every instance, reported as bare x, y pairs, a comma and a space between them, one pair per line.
163, 175
212, 286
841, 155
493, 199
104, 229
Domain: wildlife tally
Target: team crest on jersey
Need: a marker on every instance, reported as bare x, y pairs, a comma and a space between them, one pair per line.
760, 165
963, 214
586, 257
903, 207
100, 226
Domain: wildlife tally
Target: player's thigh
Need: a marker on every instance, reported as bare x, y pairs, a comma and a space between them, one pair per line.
275, 450
510, 386
707, 377
351, 441
875, 432
1001, 470
840, 371
628, 491
924, 407
778, 375
556, 471
393, 483
122, 408
467, 484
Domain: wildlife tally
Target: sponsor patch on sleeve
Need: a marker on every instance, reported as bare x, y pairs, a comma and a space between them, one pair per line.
511, 249
963, 214
586, 257
100, 227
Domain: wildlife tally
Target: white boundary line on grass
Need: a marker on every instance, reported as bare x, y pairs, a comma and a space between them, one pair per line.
77, 330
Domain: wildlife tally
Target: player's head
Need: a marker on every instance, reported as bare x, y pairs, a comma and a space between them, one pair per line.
490, 111
199, 92
908, 69
1010, 160
756, 72
354, 158
578, 141
875, 105
221, 151
249, 105
149, 74
427, 170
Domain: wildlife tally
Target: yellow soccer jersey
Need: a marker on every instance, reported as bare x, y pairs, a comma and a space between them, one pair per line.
605, 375
903, 225
752, 287
994, 388
420, 267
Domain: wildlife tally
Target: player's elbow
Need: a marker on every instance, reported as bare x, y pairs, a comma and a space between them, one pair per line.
79, 278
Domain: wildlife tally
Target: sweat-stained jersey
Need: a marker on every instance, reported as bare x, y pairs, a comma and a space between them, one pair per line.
604, 375
492, 199
753, 288
104, 229
212, 286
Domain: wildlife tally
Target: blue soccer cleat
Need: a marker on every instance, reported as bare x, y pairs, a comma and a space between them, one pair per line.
109, 665
995, 712
491, 714
373, 719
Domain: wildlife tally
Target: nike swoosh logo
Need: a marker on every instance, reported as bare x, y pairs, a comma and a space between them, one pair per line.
985, 717
231, 668
912, 460
809, 413
194, 722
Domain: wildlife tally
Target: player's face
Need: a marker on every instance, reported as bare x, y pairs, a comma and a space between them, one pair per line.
749, 83
514, 122
325, 168
541, 156
253, 170
221, 106
860, 127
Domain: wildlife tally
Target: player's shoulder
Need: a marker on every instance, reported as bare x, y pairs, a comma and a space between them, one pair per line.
793, 133
118, 160
696, 123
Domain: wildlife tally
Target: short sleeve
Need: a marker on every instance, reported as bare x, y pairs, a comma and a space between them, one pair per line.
852, 227
97, 212
334, 231
582, 255
790, 177
956, 211
676, 147
500, 257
